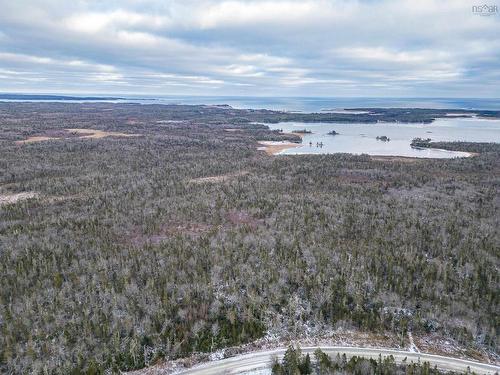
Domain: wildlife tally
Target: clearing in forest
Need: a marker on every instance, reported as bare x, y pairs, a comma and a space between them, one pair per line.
219, 178
76, 133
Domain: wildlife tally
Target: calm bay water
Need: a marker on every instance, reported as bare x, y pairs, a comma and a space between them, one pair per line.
361, 138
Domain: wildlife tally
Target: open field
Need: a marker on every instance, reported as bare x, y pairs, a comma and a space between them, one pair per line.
187, 238
75, 133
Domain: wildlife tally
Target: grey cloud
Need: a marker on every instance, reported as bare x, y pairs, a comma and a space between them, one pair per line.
269, 47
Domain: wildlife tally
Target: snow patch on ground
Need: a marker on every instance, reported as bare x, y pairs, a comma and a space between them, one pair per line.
264, 371
218, 355
13, 198
413, 348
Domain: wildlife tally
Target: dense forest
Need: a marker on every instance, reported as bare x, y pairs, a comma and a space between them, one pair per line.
371, 115
294, 363
184, 237
476, 147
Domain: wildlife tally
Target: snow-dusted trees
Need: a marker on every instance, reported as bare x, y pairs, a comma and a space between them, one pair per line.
128, 255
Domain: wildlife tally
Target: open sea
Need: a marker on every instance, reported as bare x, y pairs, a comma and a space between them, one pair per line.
310, 104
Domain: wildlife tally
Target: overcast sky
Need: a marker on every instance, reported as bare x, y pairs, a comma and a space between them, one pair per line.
261, 48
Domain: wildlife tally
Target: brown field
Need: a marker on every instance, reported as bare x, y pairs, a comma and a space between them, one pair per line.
35, 139
219, 178
92, 133
75, 133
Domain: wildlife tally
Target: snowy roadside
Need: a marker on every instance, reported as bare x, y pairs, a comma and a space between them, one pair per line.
339, 337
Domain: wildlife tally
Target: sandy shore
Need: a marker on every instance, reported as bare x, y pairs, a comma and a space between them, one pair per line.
275, 147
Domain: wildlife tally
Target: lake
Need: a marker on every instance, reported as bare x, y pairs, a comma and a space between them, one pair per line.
358, 138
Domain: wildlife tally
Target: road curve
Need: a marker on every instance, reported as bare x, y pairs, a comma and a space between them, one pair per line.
259, 360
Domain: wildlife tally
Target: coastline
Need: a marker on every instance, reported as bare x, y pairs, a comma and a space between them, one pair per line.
275, 147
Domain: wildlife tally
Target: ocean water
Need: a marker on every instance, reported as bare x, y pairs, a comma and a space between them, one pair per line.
359, 138
313, 104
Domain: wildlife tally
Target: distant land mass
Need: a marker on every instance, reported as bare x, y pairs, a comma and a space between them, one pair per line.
54, 97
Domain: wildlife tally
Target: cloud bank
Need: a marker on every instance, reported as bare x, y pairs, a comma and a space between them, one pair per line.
236, 47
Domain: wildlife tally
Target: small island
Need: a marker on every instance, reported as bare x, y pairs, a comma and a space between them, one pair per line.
420, 143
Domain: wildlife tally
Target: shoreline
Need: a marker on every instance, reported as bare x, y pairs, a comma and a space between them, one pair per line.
275, 147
